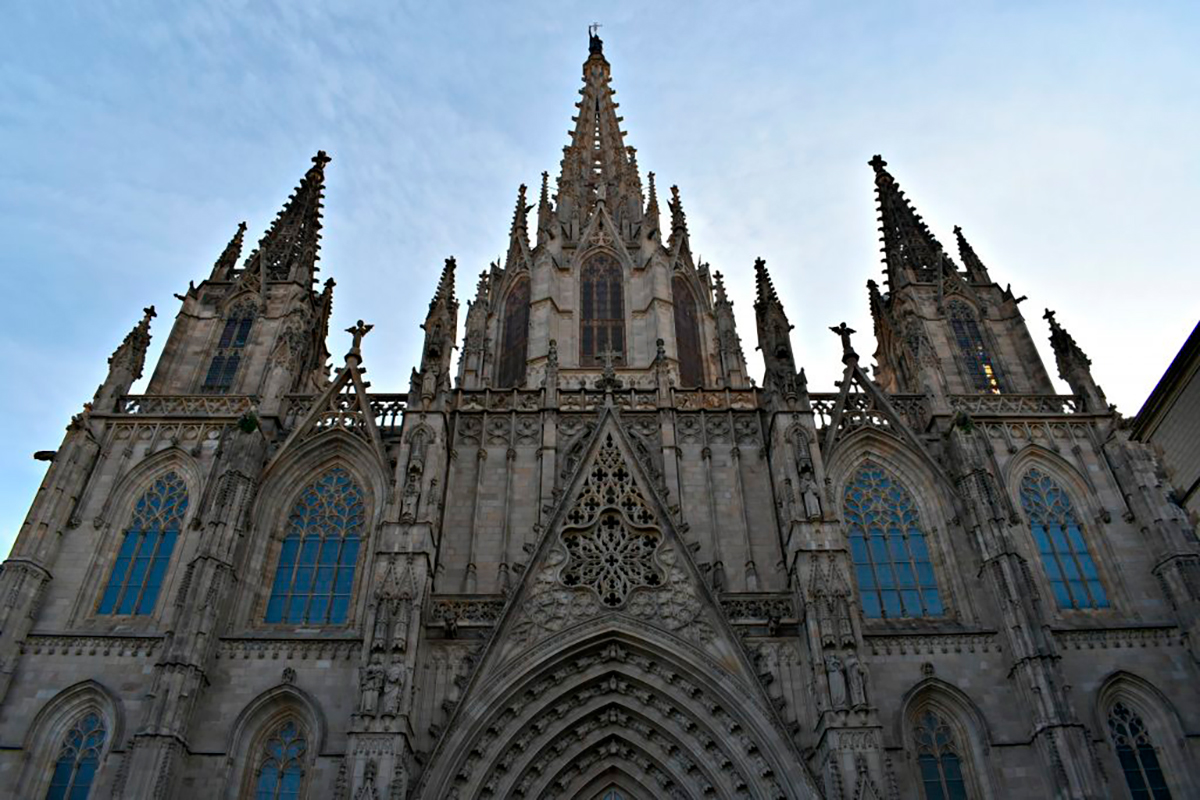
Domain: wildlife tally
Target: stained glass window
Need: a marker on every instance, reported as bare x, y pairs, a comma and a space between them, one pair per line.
938, 759
281, 770
1139, 760
687, 334
889, 548
225, 361
602, 314
979, 363
613, 794
516, 333
146, 548
316, 563
1059, 539
78, 760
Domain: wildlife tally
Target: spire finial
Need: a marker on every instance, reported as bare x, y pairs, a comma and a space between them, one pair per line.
971, 262
764, 285
359, 330
595, 44
227, 262
290, 249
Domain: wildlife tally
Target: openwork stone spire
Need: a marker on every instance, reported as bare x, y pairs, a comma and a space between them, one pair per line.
125, 364
975, 268
910, 250
596, 165
290, 249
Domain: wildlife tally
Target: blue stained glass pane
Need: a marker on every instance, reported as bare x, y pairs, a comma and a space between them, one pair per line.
1042, 540
268, 779
350, 551
891, 603
83, 780
1087, 566
931, 777
303, 582
1076, 537
925, 575
1051, 565
275, 609
879, 552
1061, 594
287, 561
1059, 539
61, 778
1070, 568
337, 609
866, 578
1079, 594
904, 576
1098, 595
323, 584
858, 549
884, 573
329, 551
296, 608
345, 580
912, 603
933, 602
316, 609
292, 777
309, 550
916, 544
870, 604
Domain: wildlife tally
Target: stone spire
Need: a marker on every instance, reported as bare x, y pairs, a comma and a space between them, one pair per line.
729, 344
545, 218
472, 365
653, 216
975, 269
518, 234
596, 165
441, 324
774, 339
678, 242
1075, 367
227, 262
125, 364
290, 249
910, 250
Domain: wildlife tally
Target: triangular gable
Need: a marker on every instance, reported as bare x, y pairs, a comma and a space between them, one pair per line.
871, 408
345, 406
601, 231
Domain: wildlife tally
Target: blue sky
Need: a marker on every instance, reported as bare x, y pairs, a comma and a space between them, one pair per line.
1061, 136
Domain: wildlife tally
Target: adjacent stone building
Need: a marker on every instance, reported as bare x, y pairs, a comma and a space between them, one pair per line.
600, 561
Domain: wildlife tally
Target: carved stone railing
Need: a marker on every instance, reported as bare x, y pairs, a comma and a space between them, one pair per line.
498, 399
185, 405
466, 610
624, 399
862, 411
388, 409
720, 399
986, 405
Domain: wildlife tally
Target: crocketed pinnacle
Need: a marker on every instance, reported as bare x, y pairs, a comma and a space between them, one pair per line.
227, 262
910, 250
719, 289
545, 211
290, 249
652, 212
1067, 353
975, 268
518, 235
130, 354
679, 229
765, 295
444, 296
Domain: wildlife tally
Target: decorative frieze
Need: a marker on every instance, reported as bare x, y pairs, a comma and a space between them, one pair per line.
101, 646
327, 649
986, 405
933, 643
185, 405
749, 609
466, 610
1112, 638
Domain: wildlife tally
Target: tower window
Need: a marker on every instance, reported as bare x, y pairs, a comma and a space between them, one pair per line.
889, 549
146, 548
315, 575
687, 333
938, 759
602, 310
516, 336
979, 363
78, 760
1138, 757
225, 361
281, 765
1059, 538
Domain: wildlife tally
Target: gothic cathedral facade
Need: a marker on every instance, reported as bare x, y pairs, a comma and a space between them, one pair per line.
600, 562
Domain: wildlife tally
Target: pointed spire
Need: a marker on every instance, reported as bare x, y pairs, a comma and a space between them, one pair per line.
652, 213
911, 251
729, 344
774, 337
125, 364
518, 235
975, 268
1074, 366
765, 286
679, 231
444, 294
597, 165
722, 298
290, 249
545, 218
227, 262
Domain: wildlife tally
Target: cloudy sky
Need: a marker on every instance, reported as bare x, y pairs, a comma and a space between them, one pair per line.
1061, 136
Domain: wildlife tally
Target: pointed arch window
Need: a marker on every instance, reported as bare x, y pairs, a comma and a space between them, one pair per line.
1058, 535
516, 336
280, 774
889, 547
602, 310
687, 333
315, 574
228, 356
979, 363
938, 759
1137, 754
78, 759
137, 575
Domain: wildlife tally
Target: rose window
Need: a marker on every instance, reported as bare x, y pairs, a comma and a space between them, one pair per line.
611, 558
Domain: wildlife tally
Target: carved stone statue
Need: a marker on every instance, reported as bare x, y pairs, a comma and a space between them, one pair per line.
383, 613
412, 497
393, 687
810, 495
837, 681
370, 683
400, 624
856, 673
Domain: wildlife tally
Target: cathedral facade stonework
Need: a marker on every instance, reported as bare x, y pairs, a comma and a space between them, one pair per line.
600, 561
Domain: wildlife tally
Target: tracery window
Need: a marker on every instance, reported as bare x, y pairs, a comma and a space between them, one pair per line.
516, 336
602, 310
280, 773
225, 361
315, 574
978, 362
1059, 538
1138, 757
938, 759
614, 794
145, 553
78, 760
687, 333
889, 548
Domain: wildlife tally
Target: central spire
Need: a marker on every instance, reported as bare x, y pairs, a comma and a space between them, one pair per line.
596, 165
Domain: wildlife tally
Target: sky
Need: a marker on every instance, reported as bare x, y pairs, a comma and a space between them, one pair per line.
136, 135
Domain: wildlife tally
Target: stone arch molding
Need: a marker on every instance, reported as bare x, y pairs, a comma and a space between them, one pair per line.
619, 699
257, 721
45, 735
